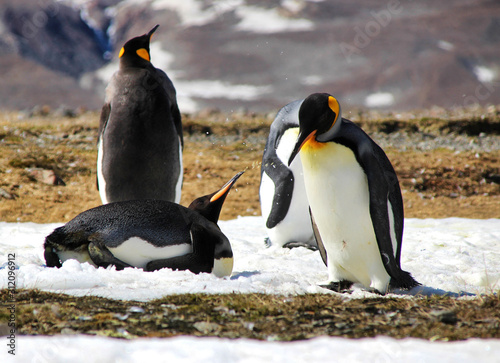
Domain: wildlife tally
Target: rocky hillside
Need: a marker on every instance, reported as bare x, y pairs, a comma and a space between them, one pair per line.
257, 54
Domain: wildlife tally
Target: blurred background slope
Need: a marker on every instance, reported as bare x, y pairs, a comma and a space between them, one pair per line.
256, 54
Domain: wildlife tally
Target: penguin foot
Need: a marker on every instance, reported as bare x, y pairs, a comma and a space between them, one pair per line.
404, 281
102, 257
267, 242
295, 244
340, 286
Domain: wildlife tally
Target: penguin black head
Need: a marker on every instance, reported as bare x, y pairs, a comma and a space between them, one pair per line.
318, 116
209, 206
135, 52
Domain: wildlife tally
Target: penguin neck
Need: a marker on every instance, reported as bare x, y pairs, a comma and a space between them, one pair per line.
331, 133
133, 62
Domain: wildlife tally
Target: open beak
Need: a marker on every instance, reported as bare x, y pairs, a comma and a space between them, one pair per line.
301, 140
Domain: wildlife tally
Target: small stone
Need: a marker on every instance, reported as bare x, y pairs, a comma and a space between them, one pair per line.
5, 194
46, 176
68, 331
445, 316
206, 327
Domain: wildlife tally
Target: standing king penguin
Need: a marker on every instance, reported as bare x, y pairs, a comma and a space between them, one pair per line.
140, 132
149, 234
355, 199
282, 191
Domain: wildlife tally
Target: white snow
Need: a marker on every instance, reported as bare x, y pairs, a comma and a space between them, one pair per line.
446, 255
260, 20
379, 99
484, 74
188, 90
444, 45
195, 12
190, 349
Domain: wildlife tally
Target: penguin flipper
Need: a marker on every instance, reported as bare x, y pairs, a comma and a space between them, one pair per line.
103, 121
385, 197
176, 115
102, 257
200, 260
169, 88
283, 181
319, 241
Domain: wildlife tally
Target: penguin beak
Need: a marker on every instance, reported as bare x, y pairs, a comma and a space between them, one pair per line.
225, 189
301, 140
150, 34
209, 206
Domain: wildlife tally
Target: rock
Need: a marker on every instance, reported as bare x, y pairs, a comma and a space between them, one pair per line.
46, 176
445, 316
207, 327
5, 194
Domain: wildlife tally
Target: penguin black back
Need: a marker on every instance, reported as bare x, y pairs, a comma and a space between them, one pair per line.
140, 132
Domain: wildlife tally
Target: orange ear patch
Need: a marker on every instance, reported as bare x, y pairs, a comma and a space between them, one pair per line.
121, 52
334, 105
143, 53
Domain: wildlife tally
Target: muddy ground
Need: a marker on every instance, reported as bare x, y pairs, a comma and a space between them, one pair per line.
452, 175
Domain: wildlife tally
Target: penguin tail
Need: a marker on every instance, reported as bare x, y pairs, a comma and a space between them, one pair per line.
53, 243
404, 281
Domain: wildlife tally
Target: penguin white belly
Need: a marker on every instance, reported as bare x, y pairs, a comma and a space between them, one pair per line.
266, 194
138, 252
337, 189
178, 186
100, 175
81, 255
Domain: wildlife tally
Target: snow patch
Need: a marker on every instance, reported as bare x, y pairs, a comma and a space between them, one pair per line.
196, 13
258, 20
444, 45
195, 349
484, 74
379, 99
445, 255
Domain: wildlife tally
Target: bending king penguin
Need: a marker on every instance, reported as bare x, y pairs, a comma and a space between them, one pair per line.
355, 200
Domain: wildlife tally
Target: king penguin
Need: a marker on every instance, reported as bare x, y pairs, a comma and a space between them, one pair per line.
140, 131
355, 199
282, 193
148, 234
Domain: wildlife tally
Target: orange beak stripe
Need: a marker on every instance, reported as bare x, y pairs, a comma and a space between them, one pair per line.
311, 135
221, 192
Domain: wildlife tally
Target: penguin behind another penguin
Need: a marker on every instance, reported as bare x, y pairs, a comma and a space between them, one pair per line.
282, 191
140, 131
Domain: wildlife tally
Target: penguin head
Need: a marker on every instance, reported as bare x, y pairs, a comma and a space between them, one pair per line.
319, 120
209, 206
135, 52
